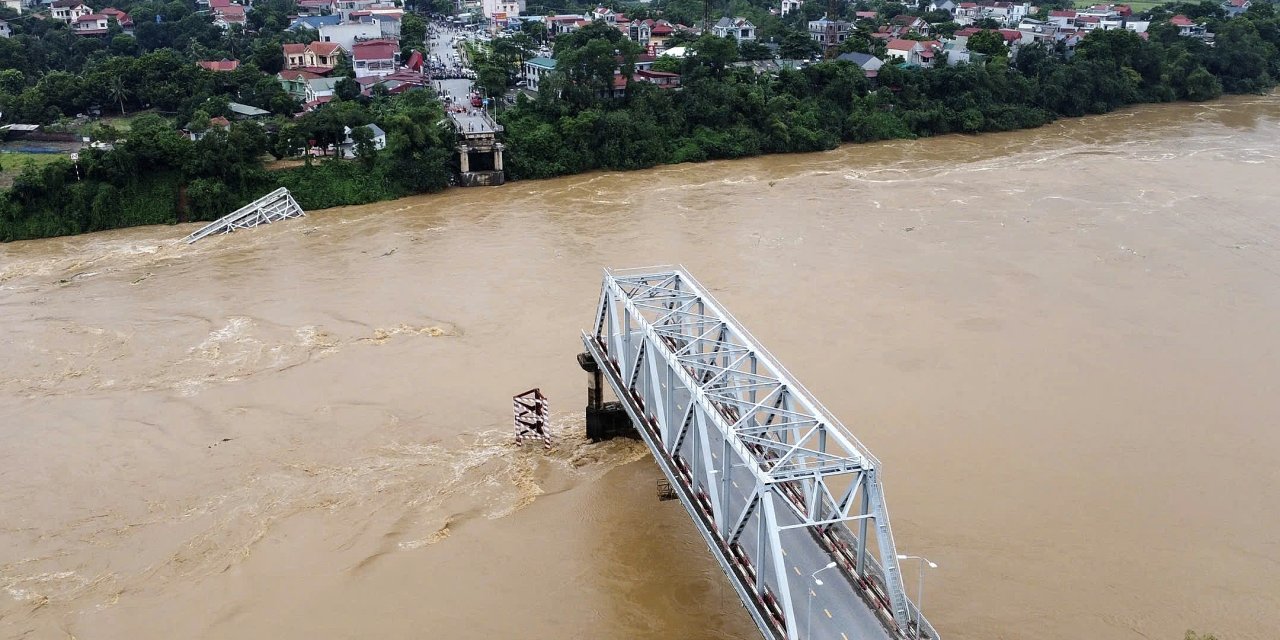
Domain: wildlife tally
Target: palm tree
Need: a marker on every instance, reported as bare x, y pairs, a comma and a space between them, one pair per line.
117, 90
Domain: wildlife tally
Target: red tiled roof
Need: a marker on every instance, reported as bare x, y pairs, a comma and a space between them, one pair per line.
1181, 21
219, 121
219, 4
219, 65
374, 50
1011, 35
1062, 14
91, 17
901, 45
968, 31
232, 11
865, 14
67, 4
298, 74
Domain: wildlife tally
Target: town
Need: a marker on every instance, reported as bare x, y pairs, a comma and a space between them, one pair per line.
347, 101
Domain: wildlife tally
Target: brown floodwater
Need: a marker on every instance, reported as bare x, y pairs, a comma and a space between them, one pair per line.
1062, 343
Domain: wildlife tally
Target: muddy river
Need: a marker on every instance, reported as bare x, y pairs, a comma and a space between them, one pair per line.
1063, 344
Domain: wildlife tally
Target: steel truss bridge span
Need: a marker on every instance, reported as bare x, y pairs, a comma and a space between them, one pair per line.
773, 482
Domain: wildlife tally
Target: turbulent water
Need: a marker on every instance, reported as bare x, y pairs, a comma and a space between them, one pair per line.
1062, 344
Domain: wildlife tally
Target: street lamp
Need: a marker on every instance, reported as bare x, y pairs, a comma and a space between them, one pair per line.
808, 618
920, 589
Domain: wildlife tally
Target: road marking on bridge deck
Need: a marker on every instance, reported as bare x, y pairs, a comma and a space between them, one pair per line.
735, 483
797, 570
827, 612
842, 635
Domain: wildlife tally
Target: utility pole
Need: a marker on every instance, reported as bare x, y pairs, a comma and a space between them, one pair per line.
832, 47
706, 17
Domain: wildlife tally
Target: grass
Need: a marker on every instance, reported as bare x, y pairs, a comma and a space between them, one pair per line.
1140, 6
14, 162
119, 122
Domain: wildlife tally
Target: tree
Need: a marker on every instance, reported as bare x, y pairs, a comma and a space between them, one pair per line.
797, 45
117, 90
413, 33
989, 43
752, 50
346, 89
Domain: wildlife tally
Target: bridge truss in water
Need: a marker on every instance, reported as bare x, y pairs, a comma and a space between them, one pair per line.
772, 480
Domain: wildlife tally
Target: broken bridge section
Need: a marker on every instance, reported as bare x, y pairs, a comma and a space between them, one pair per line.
774, 483
480, 162
277, 205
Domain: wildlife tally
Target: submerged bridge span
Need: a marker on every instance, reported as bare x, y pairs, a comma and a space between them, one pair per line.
773, 482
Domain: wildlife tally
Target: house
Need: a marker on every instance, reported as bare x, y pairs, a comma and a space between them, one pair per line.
5, 31
348, 147
319, 91
564, 23
660, 31
637, 31
317, 57
1187, 27
395, 83
791, 5
317, 7
869, 64
223, 65
535, 70
314, 22
605, 14
1063, 18
502, 9
216, 122
904, 24
68, 10
943, 5
911, 52
388, 24
296, 83
1234, 8
346, 35
231, 14
739, 29
829, 32
375, 57
865, 15
90, 24
15, 6
246, 112
664, 79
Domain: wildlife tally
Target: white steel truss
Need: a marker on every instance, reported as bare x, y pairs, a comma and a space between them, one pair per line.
277, 205
755, 455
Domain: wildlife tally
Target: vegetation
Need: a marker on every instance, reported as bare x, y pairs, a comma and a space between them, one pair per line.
728, 112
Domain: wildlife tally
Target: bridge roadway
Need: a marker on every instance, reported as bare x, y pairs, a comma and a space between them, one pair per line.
762, 468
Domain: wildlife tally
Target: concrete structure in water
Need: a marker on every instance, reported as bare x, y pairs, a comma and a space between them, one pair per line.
479, 152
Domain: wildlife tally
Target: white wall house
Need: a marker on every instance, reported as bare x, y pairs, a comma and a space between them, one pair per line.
345, 35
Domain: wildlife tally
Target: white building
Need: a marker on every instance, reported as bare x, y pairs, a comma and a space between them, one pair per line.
348, 147
791, 5
502, 9
739, 29
69, 10
345, 35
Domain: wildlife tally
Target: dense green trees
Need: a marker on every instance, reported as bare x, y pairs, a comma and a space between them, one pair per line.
158, 175
727, 112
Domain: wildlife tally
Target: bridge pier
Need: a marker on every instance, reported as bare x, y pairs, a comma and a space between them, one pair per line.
605, 420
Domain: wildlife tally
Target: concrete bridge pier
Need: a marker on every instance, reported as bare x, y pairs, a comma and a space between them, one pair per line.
605, 420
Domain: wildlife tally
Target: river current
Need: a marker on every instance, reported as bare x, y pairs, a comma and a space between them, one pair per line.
1061, 343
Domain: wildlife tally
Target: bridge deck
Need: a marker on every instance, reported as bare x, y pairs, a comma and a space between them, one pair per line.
769, 478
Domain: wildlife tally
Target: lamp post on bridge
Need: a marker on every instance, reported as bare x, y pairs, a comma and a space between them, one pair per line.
808, 618
920, 590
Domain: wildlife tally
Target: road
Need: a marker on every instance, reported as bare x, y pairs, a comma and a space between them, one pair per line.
441, 45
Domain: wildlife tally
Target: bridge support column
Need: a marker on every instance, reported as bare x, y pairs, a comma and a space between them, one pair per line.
605, 420
463, 160
497, 156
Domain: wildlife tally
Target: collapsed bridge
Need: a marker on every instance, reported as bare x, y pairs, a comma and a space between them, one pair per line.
773, 482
